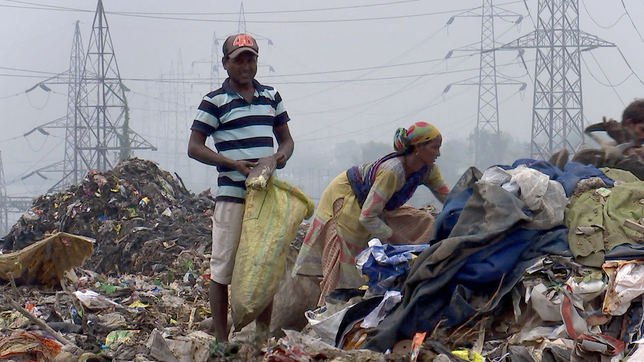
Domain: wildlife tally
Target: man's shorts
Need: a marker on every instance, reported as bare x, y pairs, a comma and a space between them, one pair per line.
226, 230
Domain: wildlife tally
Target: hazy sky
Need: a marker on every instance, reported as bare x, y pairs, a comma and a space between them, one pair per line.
346, 69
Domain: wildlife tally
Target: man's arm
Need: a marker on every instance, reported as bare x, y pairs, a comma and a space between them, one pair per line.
198, 150
285, 142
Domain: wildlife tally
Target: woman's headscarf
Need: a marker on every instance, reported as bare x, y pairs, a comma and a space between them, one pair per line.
419, 132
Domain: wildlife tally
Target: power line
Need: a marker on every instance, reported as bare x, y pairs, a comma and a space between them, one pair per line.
282, 21
422, 42
596, 23
605, 76
22, 76
162, 80
406, 87
51, 7
366, 68
629, 66
632, 23
10, 96
29, 71
349, 107
36, 163
291, 11
389, 121
599, 81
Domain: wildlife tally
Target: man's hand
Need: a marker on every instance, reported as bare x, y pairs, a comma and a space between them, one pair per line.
616, 131
280, 159
244, 166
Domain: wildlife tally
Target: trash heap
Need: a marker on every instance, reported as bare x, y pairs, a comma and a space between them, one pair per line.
140, 216
142, 294
528, 262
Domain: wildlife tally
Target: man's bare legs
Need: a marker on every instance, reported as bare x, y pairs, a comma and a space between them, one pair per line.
219, 310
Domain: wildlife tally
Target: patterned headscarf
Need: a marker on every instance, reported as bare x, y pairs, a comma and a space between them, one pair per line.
419, 132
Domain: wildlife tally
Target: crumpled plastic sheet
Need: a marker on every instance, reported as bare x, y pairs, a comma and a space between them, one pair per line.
545, 198
383, 263
93, 300
626, 282
390, 300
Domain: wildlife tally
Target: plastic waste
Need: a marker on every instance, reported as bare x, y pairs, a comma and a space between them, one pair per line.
93, 300
384, 263
115, 338
389, 301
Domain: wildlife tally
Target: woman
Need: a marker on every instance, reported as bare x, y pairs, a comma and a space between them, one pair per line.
369, 201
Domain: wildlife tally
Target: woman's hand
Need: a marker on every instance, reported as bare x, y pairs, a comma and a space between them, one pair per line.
398, 239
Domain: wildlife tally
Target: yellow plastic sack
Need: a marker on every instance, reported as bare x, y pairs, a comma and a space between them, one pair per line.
271, 219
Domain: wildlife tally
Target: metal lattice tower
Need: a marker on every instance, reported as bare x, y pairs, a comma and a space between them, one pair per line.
214, 62
488, 80
75, 88
174, 117
72, 78
103, 134
557, 111
182, 120
241, 24
9, 204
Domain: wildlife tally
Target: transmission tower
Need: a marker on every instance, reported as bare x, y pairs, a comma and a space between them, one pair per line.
181, 121
71, 77
97, 131
241, 24
103, 134
214, 62
75, 88
174, 117
557, 110
488, 80
9, 204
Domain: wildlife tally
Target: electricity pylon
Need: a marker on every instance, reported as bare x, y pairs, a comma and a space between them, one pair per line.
102, 133
97, 131
9, 204
488, 80
557, 111
71, 77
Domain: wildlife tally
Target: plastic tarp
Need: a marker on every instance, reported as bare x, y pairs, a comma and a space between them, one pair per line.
382, 264
45, 261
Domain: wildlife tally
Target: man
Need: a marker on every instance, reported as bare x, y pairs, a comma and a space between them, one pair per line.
242, 117
633, 119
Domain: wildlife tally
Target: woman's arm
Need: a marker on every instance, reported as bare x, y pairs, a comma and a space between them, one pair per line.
434, 181
384, 186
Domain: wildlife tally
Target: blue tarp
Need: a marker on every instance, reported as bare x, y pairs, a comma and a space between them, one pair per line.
385, 263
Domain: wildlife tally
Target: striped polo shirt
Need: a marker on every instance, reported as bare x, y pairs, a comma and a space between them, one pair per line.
241, 130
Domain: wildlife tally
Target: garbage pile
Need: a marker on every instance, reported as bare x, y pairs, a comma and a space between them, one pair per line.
527, 262
140, 216
141, 293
